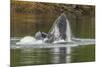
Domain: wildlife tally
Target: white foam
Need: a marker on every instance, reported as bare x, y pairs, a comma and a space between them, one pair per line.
29, 40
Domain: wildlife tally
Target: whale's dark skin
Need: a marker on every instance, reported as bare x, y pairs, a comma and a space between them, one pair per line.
61, 25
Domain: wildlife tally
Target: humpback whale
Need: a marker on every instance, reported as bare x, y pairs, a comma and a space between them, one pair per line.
59, 32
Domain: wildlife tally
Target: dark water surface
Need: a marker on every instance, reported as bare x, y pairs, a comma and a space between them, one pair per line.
39, 56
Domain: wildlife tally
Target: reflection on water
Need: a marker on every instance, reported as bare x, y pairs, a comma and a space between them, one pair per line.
42, 56
34, 56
